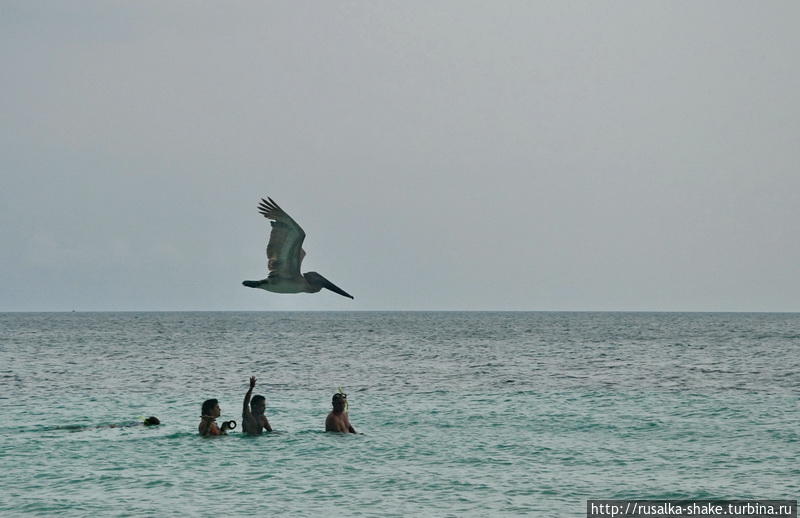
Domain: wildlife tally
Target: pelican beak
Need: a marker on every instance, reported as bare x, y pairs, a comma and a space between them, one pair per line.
251, 284
336, 289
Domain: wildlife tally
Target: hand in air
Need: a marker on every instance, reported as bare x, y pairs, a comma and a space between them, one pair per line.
252, 381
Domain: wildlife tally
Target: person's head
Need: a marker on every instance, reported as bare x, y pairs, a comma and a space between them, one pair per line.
339, 401
211, 408
152, 421
258, 404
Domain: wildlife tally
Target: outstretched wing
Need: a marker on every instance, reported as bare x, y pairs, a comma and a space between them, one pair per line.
285, 248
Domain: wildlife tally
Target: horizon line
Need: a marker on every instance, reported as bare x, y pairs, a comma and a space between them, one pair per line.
673, 311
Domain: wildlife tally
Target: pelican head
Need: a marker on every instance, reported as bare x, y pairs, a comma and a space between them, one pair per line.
316, 282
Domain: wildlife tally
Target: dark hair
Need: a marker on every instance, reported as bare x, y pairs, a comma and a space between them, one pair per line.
258, 399
339, 400
152, 421
208, 406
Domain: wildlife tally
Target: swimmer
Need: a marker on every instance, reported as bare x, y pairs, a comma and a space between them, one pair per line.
150, 421
208, 426
337, 420
254, 422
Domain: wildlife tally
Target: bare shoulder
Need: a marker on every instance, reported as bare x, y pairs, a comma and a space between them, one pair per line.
332, 423
204, 428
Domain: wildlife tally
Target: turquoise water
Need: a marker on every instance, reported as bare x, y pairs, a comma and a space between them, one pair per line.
461, 414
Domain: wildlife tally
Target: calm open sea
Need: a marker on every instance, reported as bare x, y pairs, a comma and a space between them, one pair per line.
462, 414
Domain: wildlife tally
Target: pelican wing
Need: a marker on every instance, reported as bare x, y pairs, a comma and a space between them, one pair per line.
285, 248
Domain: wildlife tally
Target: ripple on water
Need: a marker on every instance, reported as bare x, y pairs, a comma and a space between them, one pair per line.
462, 413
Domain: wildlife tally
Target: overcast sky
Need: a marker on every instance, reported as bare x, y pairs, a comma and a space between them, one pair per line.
440, 155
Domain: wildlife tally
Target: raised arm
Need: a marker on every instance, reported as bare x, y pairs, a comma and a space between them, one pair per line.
246, 404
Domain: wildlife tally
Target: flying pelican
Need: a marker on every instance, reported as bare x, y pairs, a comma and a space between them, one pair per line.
284, 255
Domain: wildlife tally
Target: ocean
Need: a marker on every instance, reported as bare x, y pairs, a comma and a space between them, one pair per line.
458, 413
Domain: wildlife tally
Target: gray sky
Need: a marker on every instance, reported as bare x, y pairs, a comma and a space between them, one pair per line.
439, 155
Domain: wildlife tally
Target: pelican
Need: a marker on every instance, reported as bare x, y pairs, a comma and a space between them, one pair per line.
284, 255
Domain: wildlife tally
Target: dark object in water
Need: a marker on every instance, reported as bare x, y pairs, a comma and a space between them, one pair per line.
229, 425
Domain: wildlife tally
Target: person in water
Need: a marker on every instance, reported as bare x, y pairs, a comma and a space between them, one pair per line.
150, 421
337, 420
208, 425
254, 422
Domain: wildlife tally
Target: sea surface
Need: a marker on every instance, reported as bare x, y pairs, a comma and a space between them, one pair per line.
458, 414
